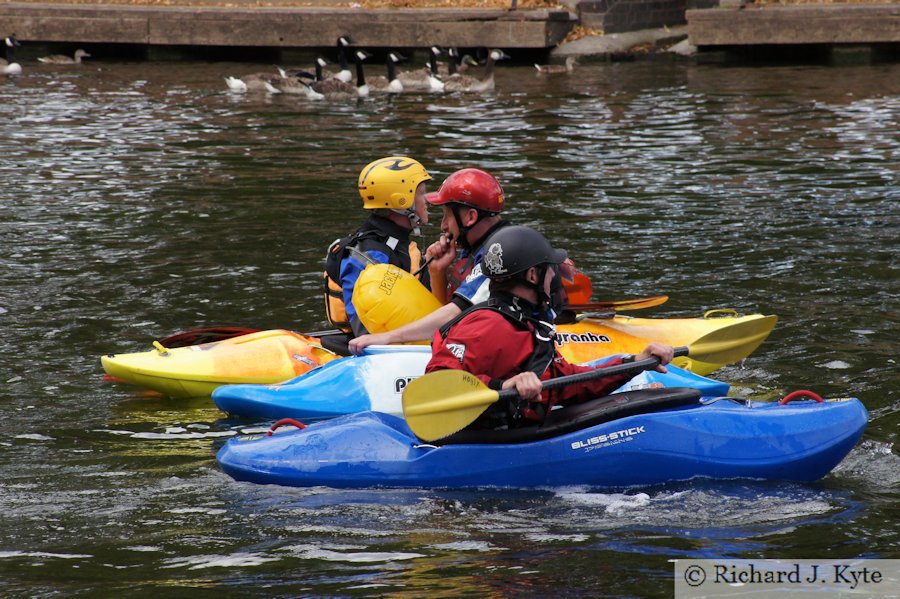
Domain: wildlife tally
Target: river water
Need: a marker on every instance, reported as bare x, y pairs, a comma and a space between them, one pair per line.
142, 199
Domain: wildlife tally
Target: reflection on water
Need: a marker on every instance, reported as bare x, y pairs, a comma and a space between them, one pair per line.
144, 199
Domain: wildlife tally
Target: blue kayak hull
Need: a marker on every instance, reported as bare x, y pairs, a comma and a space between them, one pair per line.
801, 441
376, 381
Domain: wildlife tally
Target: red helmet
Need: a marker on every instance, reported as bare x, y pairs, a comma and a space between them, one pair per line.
471, 187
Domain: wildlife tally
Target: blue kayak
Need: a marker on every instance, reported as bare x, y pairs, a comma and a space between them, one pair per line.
627, 440
375, 381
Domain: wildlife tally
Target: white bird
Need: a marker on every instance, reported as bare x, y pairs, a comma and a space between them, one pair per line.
426, 79
468, 83
8, 65
63, 59
389, 84
549, 69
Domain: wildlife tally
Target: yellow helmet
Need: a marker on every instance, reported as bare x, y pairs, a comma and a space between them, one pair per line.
391, 183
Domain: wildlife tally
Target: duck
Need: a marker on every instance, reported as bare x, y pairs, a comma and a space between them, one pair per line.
425, 79
63, 59
550, 69
468, 83
335, 89
389, 84
8, 65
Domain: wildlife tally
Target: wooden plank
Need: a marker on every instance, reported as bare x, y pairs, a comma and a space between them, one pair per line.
803, 24
283, 27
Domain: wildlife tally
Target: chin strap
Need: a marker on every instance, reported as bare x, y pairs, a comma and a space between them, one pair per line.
413, 218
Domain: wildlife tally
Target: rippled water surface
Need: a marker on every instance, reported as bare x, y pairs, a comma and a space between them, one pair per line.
141, 199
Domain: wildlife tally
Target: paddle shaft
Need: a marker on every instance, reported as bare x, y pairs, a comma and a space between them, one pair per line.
598, 373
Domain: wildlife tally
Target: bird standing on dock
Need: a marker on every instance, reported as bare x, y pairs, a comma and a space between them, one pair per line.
63, 59
550, 69
468, 83
425, 79
389, 84
8, 65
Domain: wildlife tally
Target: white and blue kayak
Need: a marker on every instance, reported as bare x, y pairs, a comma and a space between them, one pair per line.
375, 382
632, 439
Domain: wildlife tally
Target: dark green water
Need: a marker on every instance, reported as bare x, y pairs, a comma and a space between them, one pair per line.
138, 200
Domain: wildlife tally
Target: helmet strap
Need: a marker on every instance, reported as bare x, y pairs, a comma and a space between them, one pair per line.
463, 240
414, 220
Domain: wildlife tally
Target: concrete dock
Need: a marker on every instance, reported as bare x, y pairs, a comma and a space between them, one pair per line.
289, 24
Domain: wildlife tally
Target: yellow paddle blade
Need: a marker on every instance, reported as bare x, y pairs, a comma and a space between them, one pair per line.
732, 343
620, 305
444, 402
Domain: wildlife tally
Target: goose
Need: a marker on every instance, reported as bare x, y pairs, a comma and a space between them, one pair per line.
455, 64
63, 59
343, 42
320, 65
468, 83
389, 84
8, 65
254, 82
295, 84
425, 79
335, 89
550, 69
289, 82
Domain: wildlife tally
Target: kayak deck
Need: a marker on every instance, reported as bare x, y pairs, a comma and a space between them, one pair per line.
274, 356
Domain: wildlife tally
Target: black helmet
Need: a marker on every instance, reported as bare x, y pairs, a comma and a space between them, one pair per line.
514, 249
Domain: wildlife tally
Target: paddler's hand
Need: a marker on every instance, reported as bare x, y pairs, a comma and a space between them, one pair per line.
527, 385
442, 253
358, 344
664, 352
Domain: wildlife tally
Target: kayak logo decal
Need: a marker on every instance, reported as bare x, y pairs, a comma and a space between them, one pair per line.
401, 383
600, 441
304, 360
588, 337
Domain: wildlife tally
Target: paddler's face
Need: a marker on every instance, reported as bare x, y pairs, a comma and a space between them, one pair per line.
448, 222
421, 203
450, 226
548, 280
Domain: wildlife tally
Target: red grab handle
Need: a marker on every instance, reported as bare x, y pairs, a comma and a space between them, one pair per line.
800, 393
283, 422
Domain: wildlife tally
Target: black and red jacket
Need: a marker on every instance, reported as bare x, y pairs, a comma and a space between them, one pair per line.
499, 339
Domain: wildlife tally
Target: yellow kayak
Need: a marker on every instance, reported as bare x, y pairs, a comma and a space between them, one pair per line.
716, 330
194, 371
278, 355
